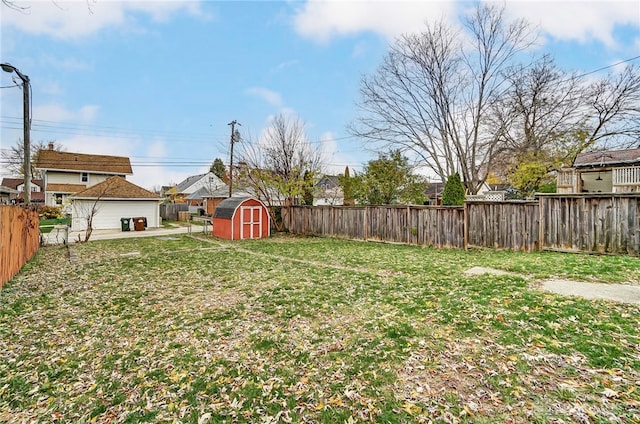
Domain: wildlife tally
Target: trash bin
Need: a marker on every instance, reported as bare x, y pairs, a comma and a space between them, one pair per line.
138, 223
124, 224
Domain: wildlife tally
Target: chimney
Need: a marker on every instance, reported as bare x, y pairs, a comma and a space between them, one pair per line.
51, 145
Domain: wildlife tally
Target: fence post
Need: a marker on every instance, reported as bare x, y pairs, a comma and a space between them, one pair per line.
465, 215
366, 224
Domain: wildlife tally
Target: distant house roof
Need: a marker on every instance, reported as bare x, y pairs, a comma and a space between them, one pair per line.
328, 181
213, 180
36, 196
115, 187
7, 190
53, 160
607, 157
15, 182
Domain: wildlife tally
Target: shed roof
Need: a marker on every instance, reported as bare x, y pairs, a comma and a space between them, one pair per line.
607, 157
228, 206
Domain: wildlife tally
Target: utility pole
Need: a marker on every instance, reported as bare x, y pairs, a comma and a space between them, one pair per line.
234, 135
26, 129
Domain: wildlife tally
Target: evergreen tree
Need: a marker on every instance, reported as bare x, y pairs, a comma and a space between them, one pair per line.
453, 193
218, 168
346, 183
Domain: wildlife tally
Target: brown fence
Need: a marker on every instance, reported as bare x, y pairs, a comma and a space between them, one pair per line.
580, 223
19, 239
170, 211
604, 223
509, 225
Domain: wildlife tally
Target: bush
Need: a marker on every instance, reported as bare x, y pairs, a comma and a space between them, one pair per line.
50, 212
453, 193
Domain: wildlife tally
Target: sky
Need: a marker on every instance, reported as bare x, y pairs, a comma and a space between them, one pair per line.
159, 81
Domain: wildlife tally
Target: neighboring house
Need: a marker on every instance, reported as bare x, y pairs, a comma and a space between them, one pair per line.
67, 173
111, 200
17, 184
327, 192
195, 182
7, 195
612, 171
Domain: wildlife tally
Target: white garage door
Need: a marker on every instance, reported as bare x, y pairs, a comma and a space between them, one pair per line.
108, 213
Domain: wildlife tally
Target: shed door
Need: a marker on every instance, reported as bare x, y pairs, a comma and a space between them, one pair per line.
250, 222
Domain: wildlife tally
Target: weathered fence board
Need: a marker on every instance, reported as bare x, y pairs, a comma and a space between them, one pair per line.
506, 225
583, 222
604, 223
19, 239
424, 225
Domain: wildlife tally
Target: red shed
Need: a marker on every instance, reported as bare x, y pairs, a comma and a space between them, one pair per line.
238, 218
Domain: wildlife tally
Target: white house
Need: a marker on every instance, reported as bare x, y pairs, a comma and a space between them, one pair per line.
327, 191
65, 173
111, 200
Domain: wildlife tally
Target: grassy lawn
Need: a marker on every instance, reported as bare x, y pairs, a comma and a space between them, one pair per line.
46, 225
313, 330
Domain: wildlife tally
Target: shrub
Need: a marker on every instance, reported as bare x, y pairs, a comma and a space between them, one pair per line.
50, 212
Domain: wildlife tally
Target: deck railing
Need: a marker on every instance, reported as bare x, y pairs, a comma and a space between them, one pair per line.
629, 175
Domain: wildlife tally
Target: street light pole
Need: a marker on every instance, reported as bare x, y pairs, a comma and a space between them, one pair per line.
234, 135
26, 129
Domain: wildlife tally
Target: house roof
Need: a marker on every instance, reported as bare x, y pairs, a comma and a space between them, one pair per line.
328, 181
80, 162
66, 188
15, 182
115, 187
7, 190
205, 192
189, 181
607, 157
36, 196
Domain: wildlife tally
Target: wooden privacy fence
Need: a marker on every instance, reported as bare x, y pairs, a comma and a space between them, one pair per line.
605, 223
580, 223
19, 239
425, 225
170, 211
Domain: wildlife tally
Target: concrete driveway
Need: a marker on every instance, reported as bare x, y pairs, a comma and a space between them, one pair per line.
61, 234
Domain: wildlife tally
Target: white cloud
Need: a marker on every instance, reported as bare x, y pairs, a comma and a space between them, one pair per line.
335, 158
272, 97
74, 19
58, 113
321, 20
571, 20
575, 20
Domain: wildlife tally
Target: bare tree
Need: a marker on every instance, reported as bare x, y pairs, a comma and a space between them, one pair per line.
549, 116
432, 94
14, 156
275, 166
90, 209
614, 109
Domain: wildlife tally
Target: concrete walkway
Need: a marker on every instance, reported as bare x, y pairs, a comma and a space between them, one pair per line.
618, 292
63, 235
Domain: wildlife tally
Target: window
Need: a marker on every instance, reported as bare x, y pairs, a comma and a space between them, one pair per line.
85, 177
58, 197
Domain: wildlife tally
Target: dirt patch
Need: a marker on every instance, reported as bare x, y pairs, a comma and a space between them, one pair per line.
617, 292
